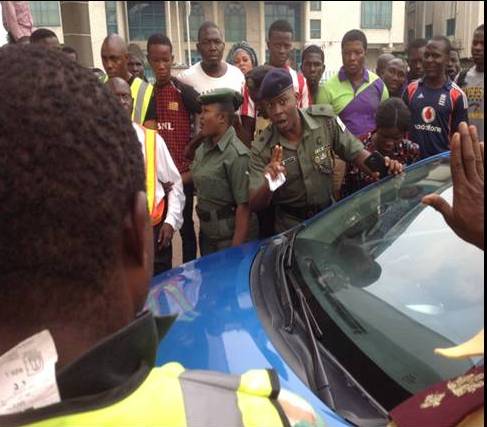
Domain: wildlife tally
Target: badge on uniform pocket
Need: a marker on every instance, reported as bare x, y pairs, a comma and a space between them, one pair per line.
323, 159
173, 106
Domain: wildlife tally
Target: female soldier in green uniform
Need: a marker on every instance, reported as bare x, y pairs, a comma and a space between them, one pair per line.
220, 175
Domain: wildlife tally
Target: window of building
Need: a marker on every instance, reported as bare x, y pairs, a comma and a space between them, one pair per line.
376, 14
284, 10
196, 18
45, 13
450, 27
411, 35
315, 6
111, 14
315, 29
428, 31
235, 22
145, 18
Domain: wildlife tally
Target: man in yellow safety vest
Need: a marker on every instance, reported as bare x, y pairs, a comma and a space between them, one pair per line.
76, 256
161, 172
115, 58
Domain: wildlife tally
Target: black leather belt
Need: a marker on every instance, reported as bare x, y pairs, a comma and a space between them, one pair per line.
223, 213
304, 213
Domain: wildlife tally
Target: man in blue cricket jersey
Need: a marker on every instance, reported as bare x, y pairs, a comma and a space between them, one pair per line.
437, 104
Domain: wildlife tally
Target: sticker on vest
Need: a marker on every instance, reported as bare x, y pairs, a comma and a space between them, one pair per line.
277, 183
28, 375
341, 124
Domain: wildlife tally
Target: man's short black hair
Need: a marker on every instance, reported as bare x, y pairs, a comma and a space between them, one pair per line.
160, 39
42, 34
355, 36
280, 26
69, 49
70, 167
479, 29
393, 113
445, 40
417, 44
205, 26
313, 49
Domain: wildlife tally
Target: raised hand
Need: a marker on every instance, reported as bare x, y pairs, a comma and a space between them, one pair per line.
275, 167
466, 217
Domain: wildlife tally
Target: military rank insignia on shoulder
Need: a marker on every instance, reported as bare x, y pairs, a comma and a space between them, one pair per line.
322, 110
262, 139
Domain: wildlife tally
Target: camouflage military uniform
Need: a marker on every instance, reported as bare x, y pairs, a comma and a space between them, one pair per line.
220, 175
309, 181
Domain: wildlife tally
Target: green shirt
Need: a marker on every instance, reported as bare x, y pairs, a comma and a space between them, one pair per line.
309, 180
356, 106
220, 172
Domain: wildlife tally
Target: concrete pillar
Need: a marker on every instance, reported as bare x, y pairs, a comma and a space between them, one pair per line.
307, 24
263, 36
76, 28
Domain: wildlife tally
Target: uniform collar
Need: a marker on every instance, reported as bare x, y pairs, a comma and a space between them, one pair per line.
309, 124
342, 75
309, 121
106, 374
114, 359
226, 139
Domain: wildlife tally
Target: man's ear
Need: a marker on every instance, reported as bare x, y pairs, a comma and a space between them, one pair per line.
137, 234
172, 59
138, 250
198, 48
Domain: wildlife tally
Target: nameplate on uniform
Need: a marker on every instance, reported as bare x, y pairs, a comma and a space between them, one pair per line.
289, 160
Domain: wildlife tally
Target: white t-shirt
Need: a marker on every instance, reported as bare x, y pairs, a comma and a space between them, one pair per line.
202, 82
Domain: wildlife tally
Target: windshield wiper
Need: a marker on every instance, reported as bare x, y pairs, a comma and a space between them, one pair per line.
340, 309
320, 377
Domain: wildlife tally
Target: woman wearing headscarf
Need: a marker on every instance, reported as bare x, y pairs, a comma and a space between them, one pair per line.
243, 56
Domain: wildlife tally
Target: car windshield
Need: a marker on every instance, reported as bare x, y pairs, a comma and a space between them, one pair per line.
395, 279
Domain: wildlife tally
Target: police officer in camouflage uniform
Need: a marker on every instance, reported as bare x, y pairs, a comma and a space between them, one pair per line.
300, 147
220, 175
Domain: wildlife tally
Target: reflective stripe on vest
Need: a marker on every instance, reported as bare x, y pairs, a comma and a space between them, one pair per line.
155, 210
171, 397
141, 94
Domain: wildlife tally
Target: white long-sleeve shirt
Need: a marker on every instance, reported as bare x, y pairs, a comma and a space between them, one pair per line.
166, 172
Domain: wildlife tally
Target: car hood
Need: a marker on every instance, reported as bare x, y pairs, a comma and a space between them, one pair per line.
218, 327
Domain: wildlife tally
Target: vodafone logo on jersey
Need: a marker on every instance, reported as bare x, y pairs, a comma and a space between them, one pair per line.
428, 114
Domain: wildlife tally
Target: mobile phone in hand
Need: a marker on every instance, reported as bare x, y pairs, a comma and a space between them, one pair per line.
377, 163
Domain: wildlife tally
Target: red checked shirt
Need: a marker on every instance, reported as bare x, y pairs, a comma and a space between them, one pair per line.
173, 123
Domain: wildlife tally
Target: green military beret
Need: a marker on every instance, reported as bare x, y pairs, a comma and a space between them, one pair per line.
221, 96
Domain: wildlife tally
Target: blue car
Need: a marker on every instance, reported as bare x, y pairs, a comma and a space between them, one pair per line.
348, 308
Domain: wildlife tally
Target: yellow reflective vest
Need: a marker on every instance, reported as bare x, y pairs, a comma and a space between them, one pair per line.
141, 94
156, 210
173, 397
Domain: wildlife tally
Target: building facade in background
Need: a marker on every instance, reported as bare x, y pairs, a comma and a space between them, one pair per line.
455, 19
320, 22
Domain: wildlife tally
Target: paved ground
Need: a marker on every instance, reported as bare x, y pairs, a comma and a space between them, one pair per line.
177, 258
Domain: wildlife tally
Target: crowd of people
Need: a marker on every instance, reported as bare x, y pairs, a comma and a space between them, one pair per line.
88, 154
264, 147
